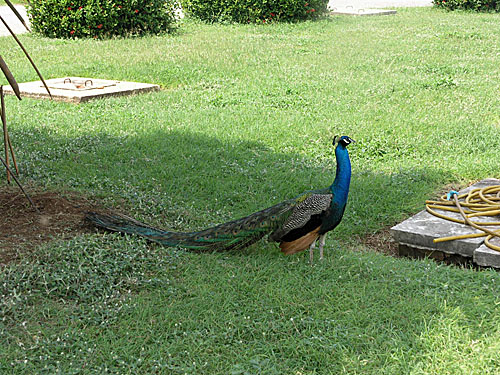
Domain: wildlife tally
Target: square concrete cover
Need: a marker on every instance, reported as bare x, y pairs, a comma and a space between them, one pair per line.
79, 89
420, 230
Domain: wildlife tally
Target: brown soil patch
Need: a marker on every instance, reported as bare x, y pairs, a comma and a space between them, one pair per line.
381, 242
22, 228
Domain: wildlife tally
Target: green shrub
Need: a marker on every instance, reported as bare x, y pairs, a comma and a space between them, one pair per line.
101, 18
476, 5
246, 11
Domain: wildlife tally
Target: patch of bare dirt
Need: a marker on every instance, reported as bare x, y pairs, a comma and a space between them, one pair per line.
22, 228
381, 242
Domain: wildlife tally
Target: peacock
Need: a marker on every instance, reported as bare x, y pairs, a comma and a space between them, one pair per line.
296, 223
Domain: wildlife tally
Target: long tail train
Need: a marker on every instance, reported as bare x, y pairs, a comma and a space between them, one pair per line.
234, 234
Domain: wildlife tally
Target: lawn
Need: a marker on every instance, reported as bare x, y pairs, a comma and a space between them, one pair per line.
244, 120
21, 2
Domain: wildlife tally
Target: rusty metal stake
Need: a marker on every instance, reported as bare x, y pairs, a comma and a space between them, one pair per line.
14, 10
5, 134
10, 78
26, 54
20, 186
8, 145
13, 155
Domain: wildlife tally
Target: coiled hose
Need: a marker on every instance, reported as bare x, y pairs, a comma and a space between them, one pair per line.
477, 202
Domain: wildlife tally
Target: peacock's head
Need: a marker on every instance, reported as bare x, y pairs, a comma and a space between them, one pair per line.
343, 140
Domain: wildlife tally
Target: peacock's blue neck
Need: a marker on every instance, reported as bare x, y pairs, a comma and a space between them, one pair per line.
340, 186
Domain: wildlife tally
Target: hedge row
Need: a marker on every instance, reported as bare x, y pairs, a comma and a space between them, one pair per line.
106, 18
101, 18
250, 11
475, 5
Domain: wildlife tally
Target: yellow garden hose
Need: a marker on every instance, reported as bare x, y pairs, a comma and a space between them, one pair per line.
477, 202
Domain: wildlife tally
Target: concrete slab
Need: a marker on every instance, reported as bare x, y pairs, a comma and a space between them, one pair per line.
486, 257
78, 89
351, 11
419, 231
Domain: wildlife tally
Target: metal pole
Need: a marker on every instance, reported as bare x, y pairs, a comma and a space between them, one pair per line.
27, 55
5, 136
20, 186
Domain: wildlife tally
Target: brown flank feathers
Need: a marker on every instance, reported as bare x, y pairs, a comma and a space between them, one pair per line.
299, 244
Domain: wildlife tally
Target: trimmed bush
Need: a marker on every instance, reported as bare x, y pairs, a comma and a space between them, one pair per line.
101, 18
476, 5
250, 11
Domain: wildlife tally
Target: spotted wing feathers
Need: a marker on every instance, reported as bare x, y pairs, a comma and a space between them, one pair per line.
308, 207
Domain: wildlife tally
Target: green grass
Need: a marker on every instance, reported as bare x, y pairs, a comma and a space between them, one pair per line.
244, 120
21, 2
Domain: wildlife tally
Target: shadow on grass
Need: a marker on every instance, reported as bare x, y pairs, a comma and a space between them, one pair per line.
187, 181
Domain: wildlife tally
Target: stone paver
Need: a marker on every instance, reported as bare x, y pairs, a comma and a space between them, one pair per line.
484, 256
420, 230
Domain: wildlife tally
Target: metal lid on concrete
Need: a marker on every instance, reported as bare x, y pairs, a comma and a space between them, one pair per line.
79, 89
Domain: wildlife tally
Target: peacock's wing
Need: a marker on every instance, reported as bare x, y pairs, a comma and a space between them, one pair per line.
305, 214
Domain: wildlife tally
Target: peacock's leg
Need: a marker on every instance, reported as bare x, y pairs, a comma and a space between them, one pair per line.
322, 239
311, 251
